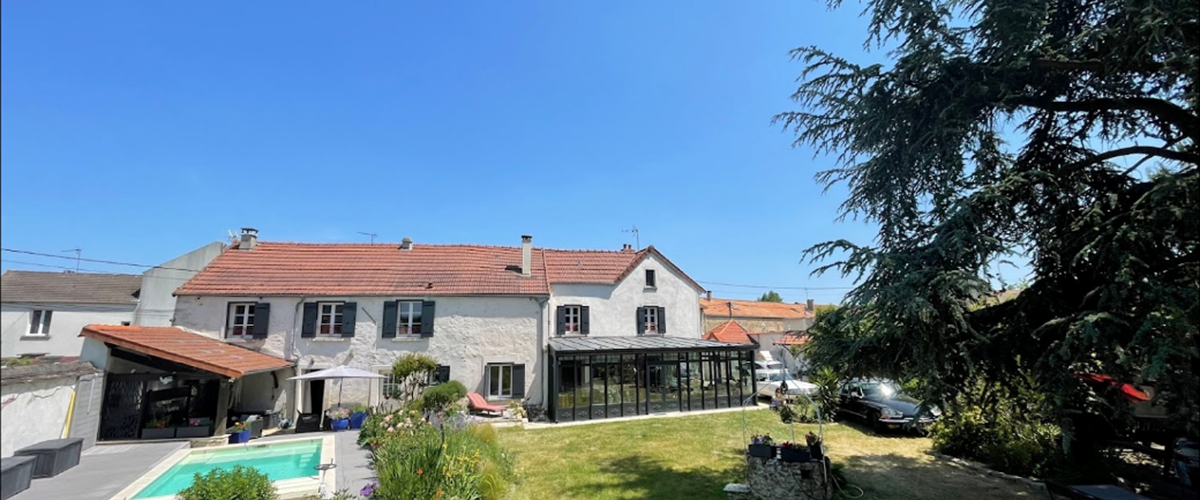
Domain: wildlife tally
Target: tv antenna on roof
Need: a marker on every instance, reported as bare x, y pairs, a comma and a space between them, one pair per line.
78, 253
372, 235
637, 239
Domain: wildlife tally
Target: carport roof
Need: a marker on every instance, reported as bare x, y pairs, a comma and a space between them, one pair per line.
586, 345
183, 347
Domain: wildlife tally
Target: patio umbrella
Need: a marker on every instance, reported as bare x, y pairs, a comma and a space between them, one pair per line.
337, 372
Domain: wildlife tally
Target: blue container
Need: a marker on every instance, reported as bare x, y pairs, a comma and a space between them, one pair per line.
357, 420
239, 437
341, 424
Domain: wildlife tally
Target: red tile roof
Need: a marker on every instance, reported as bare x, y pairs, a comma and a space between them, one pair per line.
753, 309
183, 347
792, 338
346, 269
729, 332
341, 269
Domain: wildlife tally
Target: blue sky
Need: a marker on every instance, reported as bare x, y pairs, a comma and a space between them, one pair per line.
140, 130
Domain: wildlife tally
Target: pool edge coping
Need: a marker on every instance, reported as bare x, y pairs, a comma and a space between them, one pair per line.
328, 450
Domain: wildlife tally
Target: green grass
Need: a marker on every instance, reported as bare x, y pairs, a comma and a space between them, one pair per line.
694, 457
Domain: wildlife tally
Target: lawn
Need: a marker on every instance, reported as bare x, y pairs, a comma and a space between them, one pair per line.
694, 457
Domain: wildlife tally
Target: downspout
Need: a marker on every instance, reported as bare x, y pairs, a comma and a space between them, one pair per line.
70, 412
542, 342
292, 355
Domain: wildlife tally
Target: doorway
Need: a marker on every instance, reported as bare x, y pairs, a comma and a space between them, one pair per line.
314, 396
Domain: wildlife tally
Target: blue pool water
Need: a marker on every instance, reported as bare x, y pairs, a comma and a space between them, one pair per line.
279, 461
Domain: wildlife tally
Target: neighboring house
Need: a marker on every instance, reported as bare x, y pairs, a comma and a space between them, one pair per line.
48, 399
773, 326
732, 332
43, 312
156, 306
511, 323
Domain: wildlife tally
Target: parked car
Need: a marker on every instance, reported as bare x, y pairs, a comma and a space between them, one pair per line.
880, 404
771, 387
764, 370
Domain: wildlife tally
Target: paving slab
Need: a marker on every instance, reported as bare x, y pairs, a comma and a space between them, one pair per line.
103, 471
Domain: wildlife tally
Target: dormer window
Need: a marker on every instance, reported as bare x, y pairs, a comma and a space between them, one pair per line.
650, 281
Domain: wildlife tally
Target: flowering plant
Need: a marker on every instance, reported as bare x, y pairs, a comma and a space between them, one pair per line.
812, 438
761, 439
338, 413
240, 426
792, 446
159, 423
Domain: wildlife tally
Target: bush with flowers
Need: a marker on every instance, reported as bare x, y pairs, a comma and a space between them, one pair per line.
455, 459
390, 425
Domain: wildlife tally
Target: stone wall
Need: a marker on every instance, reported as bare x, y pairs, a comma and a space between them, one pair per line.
777, 480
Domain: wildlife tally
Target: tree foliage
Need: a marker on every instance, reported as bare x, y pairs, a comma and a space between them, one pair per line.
412, 373
1063, 132
771, 296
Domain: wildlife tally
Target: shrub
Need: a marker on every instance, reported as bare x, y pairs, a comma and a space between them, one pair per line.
438, 397
1004, 441
450, 463
380, 427
411, 374
242, 483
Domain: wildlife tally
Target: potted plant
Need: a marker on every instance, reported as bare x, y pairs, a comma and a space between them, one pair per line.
159, 428
239, 433
762, 446
814, 444
339, 419
358, 416
794, 452
196, 427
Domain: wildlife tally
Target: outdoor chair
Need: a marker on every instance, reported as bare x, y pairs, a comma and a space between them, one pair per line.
480, 405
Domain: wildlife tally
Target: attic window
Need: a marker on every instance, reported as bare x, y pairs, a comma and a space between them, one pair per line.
650, 279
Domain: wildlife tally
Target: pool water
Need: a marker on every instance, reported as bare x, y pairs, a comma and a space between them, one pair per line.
279, 461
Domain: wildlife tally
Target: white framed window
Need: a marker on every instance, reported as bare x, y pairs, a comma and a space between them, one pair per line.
39, 322
388, 387
241, 321
650, 319
408, 318
329, 318
573, 316
500, 381
651, 279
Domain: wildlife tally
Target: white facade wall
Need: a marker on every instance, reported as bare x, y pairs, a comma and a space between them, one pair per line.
613, 308
469, 333
156, 301
65, 325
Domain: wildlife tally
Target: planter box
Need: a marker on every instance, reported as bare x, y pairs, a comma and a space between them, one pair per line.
795, 455
163, 433
193, 432
239, 437
15, 475
762, 450
54, 456
340, 424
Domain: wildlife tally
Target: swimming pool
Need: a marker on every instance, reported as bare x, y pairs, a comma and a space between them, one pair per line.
290, 464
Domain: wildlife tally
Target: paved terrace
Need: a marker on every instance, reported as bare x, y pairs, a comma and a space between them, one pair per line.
105, 469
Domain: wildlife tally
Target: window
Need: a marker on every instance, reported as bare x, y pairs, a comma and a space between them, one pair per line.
409, 319
650, 281
650, 319
388, 387
573, 317
329, 318
125, 323
241, 320
39, 322
500, 381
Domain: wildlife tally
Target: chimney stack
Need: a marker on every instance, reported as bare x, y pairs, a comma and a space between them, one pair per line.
406, 243
809, 307
708, 294
627, 248
249, 238
526, 255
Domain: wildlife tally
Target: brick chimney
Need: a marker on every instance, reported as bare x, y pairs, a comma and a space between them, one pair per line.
249, 238
526, 255
809, 307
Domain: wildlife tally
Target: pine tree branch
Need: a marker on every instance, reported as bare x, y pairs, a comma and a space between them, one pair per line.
1149, 151
1187, 122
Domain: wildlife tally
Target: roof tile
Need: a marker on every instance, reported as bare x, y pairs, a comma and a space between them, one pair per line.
730, 332
753, 309
70, 288
184, 347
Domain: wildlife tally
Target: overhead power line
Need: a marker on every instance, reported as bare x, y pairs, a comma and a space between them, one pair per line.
98, 261
82, 270
765, 287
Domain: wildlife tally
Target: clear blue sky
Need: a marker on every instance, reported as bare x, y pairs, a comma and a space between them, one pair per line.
141, 130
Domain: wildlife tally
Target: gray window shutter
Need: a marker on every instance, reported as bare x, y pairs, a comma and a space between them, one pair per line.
262, 319
308, 328
641, 327
584, 321
349, 317
561, 320
390, 309
662, 320
518, 389
443, 374
427, 316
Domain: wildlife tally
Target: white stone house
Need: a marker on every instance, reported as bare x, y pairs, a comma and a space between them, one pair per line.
488, 314
43, 312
